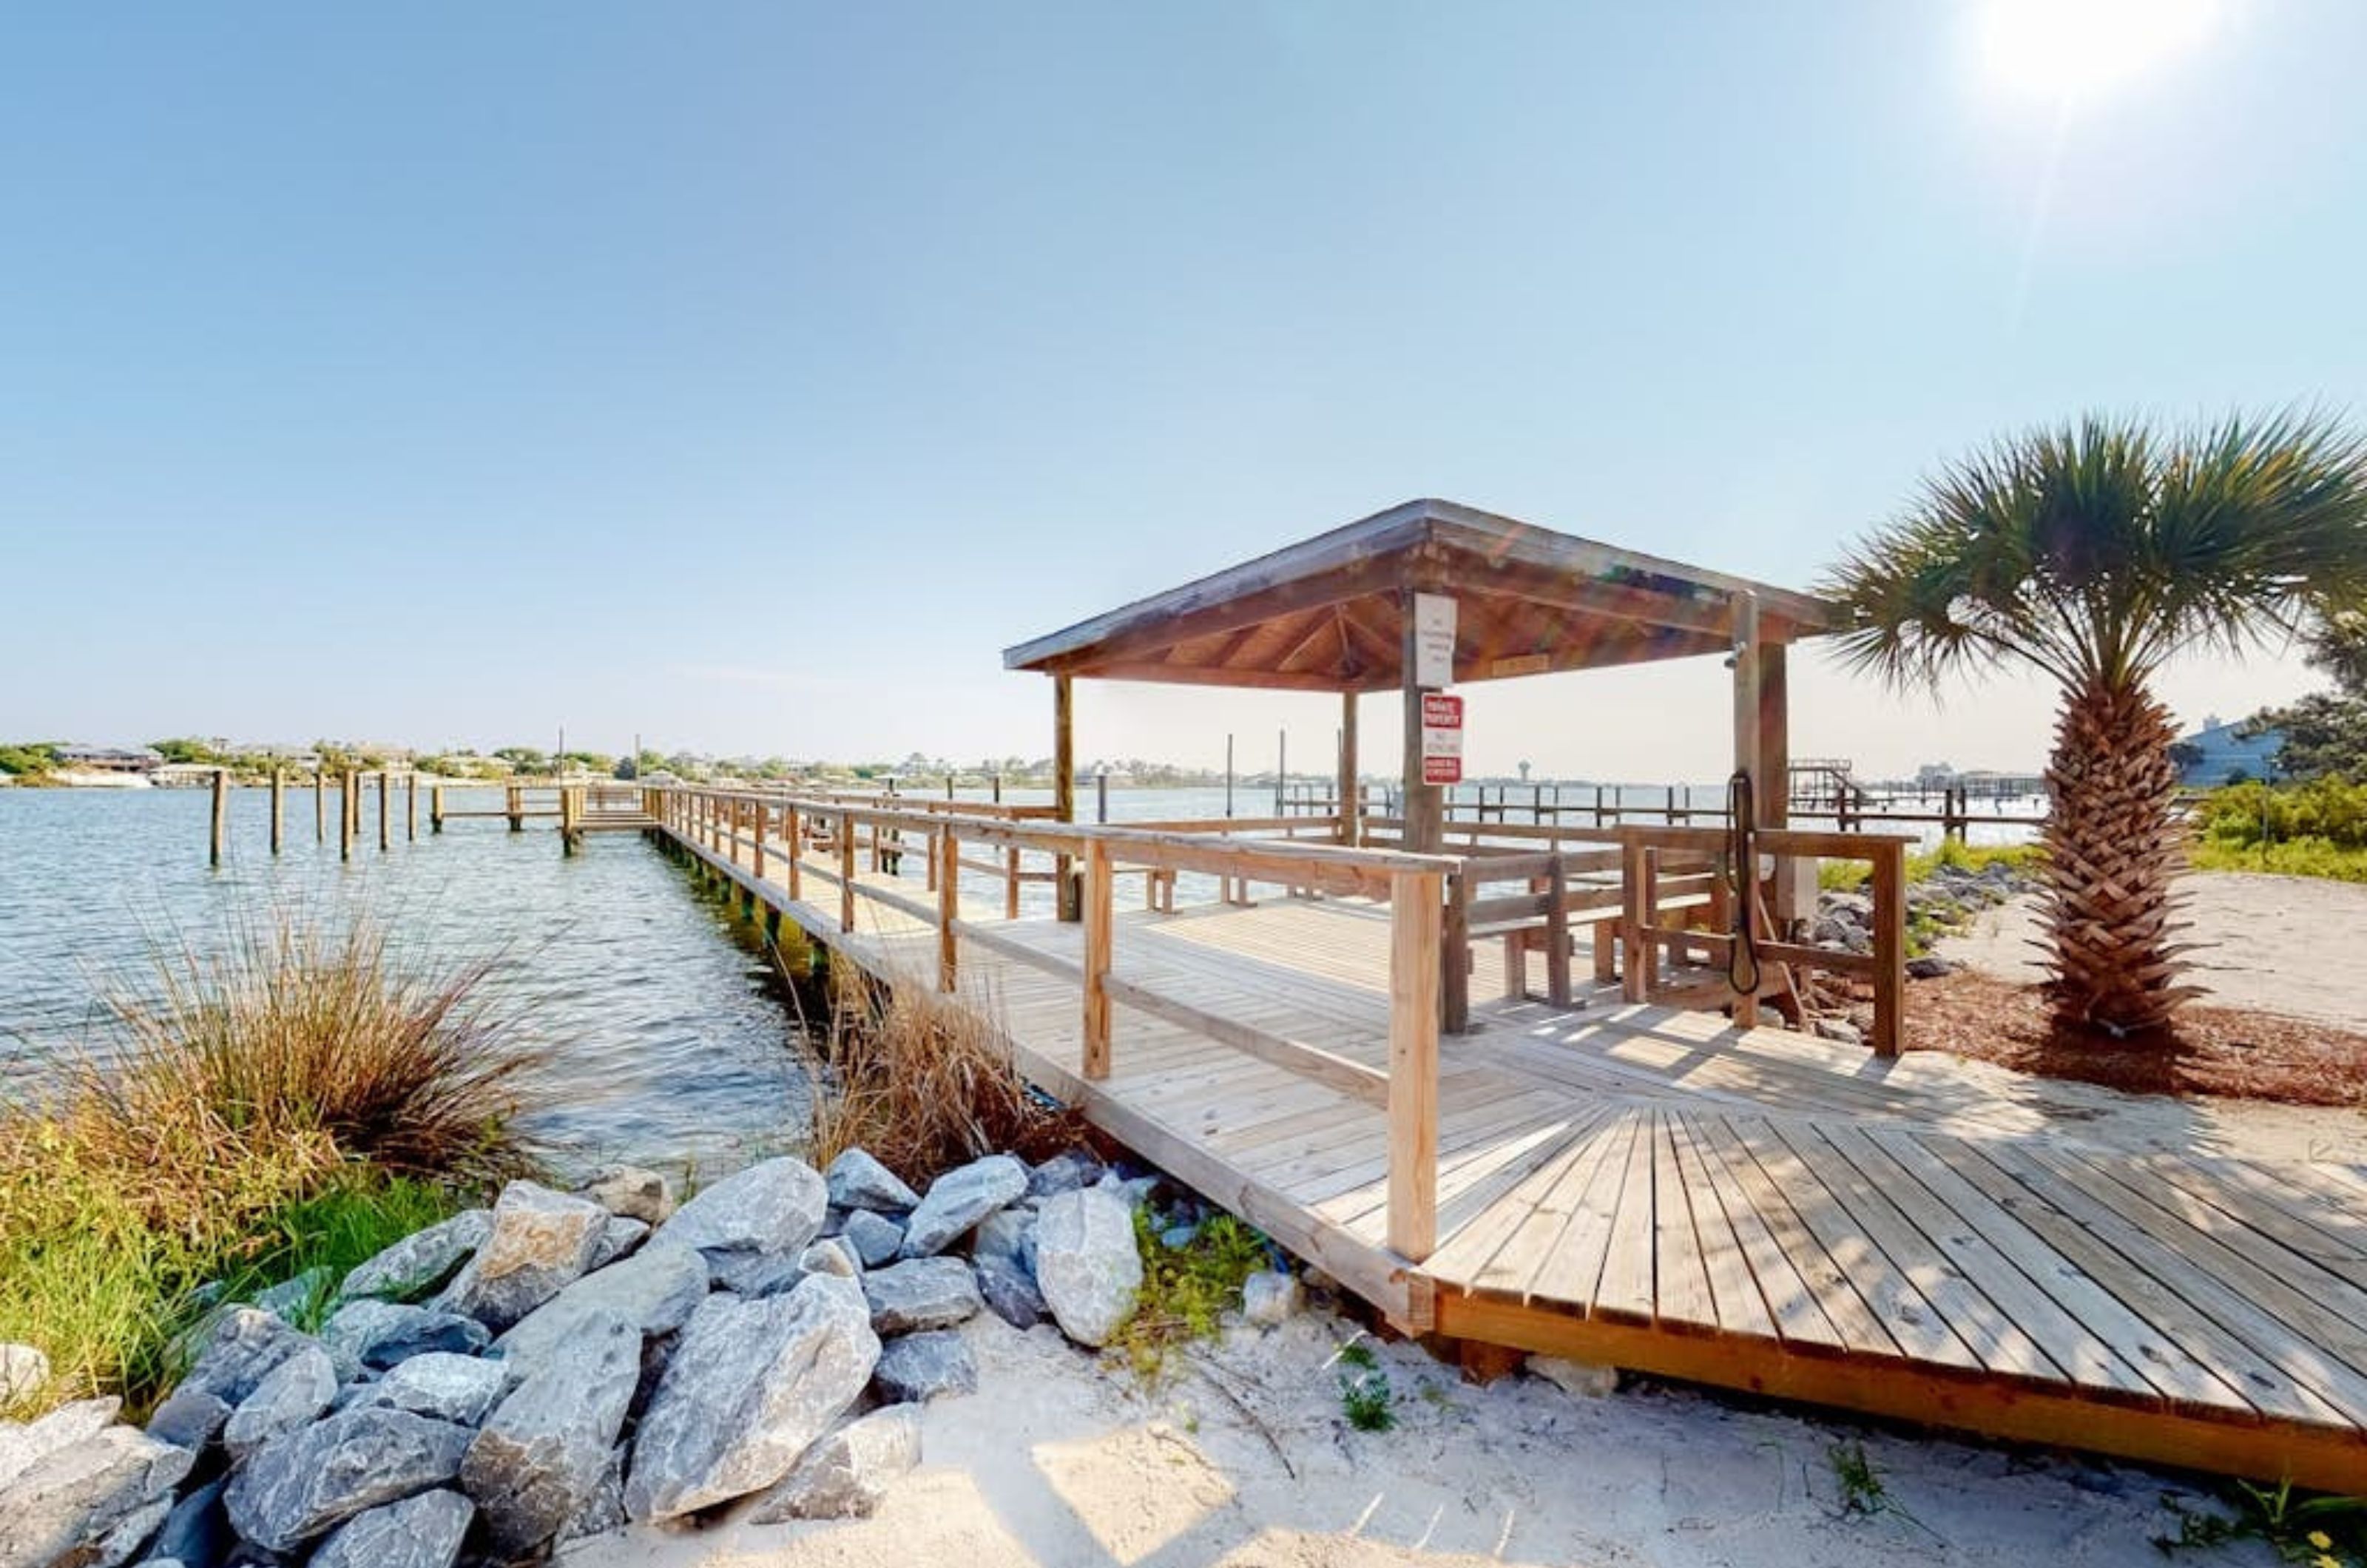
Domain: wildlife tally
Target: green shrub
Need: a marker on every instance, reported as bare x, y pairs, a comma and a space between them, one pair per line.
2331, 810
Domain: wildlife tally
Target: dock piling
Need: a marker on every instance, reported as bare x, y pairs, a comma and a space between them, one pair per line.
221, 812
278, 808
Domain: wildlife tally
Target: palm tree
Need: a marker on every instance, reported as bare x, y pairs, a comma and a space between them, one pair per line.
2095, 551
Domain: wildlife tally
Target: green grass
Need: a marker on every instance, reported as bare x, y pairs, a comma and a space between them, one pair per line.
299, 1102
2293, 857
1186, 1291
2321, 1531
1849, 876
1365, 1399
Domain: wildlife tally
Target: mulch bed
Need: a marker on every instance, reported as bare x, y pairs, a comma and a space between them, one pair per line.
2214, 1050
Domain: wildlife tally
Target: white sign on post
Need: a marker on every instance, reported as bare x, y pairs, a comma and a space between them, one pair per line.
1434, 641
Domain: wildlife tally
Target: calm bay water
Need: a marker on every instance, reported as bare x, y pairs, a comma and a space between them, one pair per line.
673, 1039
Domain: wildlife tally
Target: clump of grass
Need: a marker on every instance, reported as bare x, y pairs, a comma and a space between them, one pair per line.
924, 1083
1186, 1289
291, 1103
1365, 1399
1848, 875
2321, 1531
1863, 1492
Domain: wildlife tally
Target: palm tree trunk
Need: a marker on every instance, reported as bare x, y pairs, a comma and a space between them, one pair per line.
2114, 847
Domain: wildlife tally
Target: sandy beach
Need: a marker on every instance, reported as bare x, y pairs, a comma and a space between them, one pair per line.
1243, 1458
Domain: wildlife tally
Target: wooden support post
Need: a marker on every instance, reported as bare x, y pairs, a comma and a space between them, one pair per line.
1352, 805
1011, 883
221, 837
1557, 986
347, 793
1098, 929
761, 812
846, 871
1454, 956
1636, 960
948, 876
1100, 797
385, 816
411, 807
1747, 762
516, 809
435, 808
1425, 808
1414, 1062
1889, 946
1064, 791
320, 805
278, 808
793, 827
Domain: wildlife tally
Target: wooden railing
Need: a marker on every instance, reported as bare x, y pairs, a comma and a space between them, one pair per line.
769, 826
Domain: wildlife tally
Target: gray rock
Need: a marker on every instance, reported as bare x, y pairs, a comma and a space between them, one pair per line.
774, 1207
190, 1420
440, 1386
1008, 1234
378, 1335
420, 1262
312, 1480
755, 1273
290, 1299
92, 1502
876, 1239
919, 1293
195, 1532
1086, 1264
24, 1446
832, 1254
1269, 1296
1010, 1295
606, 1510
237, 1348
425, 1531
1175, 1238
656, 1289
291, 1395
1840, 1028
540, 1243
958, 1200
538, 1463
629, 1192
752, 1385
846, 1474
1064, 1173
24, 1371
919, 1367
618, 1238
858, 1182
1931, 966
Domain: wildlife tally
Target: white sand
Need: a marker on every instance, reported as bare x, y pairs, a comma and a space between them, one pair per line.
1057, 1462
2295, 946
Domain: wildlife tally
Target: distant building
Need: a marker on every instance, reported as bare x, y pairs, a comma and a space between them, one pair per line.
2221, 753
110, 758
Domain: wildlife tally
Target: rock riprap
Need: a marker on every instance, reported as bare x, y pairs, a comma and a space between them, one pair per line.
656, 1289
750, 1227
918, 1368
421, 1261
91, 1499
439, 1385
921, 1294
958, 1200
846, 1474
856, 1180
425, 1531
291, 1395
750, 1388
540, 1459
540, 1241
375, 1335
311, 1480
1086, 1262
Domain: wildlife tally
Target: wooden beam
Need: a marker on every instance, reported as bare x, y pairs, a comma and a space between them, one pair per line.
278, 808
1425, 809
1413, 1064
1351, 806
1064, 789
1098, 928
221, 816
948, 864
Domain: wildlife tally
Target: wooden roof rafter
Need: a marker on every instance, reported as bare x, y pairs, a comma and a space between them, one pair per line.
1327, 613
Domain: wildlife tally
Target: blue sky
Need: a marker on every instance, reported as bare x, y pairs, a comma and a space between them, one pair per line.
748, 376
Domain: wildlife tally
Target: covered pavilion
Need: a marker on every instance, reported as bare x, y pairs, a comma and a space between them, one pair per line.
1339, 612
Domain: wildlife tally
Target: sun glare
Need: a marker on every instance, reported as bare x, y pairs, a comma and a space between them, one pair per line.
2080, 49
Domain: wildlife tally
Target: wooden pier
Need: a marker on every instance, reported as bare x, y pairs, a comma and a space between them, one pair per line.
1621, 1182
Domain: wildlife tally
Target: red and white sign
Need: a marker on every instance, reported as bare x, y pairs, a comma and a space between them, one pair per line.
1442, 739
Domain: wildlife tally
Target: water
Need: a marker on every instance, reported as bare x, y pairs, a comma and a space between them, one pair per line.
673, 1040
